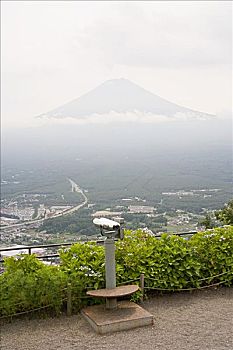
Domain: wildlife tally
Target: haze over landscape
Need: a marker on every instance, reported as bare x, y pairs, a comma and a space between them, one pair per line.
142, 101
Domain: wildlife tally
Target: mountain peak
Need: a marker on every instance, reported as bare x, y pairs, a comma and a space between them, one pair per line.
122, 96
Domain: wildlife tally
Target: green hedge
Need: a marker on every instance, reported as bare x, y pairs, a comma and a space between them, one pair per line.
170, 263
29, 284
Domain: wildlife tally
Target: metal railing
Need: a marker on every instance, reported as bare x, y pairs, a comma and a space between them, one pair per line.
178, 233
30, 248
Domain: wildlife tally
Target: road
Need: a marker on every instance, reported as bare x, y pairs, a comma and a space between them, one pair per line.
74, 188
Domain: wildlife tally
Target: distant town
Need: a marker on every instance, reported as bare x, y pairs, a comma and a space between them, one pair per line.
24, 216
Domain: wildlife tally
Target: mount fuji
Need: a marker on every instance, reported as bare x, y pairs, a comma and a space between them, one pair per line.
122, 99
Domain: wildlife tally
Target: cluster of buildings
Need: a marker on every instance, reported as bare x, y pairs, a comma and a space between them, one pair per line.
15, 211
106, 213
14, 234
55, 210
182, 193
182, 218
141, 209
131, 209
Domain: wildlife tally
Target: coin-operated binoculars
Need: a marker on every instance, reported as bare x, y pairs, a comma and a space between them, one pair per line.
114, 316
111, 230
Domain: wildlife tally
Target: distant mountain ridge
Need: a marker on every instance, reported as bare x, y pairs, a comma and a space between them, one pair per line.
122, 96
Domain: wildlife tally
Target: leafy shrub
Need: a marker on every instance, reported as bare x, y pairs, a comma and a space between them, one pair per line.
84, 267
226, 214
170, 263
173, 262
28, 284
215, 254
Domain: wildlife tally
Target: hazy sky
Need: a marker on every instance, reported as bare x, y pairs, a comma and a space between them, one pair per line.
54, 51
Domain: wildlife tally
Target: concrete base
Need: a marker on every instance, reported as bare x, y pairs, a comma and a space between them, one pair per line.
128, 315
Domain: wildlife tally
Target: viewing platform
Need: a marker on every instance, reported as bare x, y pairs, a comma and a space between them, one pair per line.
117, 292
124, 315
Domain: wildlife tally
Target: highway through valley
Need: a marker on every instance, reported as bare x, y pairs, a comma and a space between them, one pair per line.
75, 188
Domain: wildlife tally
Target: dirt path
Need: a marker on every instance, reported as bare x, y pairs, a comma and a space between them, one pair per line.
201, 320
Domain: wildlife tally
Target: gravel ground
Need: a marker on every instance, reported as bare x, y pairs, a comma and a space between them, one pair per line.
198, 320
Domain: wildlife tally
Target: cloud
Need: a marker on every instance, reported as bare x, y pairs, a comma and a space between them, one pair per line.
121, 118
164, 35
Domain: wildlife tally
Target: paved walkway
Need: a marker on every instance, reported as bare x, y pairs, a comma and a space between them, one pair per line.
200, 320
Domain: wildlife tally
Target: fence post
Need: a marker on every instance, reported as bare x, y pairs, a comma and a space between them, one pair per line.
142, 282
69, 300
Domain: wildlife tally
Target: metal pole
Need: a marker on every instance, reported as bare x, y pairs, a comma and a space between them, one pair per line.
110, 271
142, 284
69, 300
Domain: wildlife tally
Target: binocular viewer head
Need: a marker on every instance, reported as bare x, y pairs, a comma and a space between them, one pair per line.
109, 228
